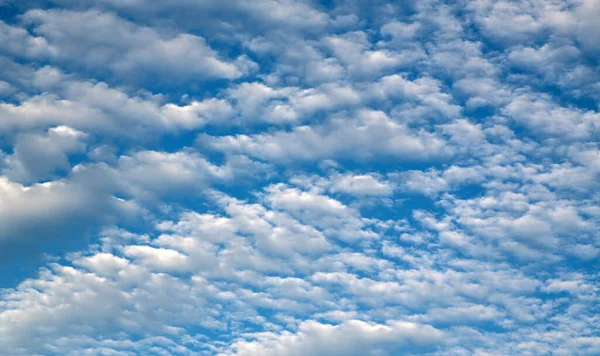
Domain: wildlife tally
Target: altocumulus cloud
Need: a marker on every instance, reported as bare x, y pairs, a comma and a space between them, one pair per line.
299, 177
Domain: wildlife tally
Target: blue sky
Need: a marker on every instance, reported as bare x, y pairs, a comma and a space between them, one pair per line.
299, 177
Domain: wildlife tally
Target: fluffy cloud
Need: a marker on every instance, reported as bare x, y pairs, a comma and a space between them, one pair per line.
287, 177
36, 156
97, 107
208, 273
371, 134
101, 41
353, 337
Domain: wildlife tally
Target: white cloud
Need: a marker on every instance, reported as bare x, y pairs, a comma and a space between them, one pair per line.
361, 185
371, 134
99, 108
353, 337
20, 43
367, 177
354, 50
542, 116
159, 259
209, 272
324, 212
259, 102
45, 211
35, 157
279, 13
101, 41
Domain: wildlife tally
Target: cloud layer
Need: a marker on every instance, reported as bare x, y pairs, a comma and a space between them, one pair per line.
283, 177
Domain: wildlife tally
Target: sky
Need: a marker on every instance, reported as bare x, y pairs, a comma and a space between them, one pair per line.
299, 177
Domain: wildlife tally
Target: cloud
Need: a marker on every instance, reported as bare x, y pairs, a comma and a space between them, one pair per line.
353, 337
100, 108
258, 102
35, 157
66, 209
45, 213
91, 39
286, 177
20, 43
230, 263
353, 50
216, 15
361, 185
543, 116
371, 134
